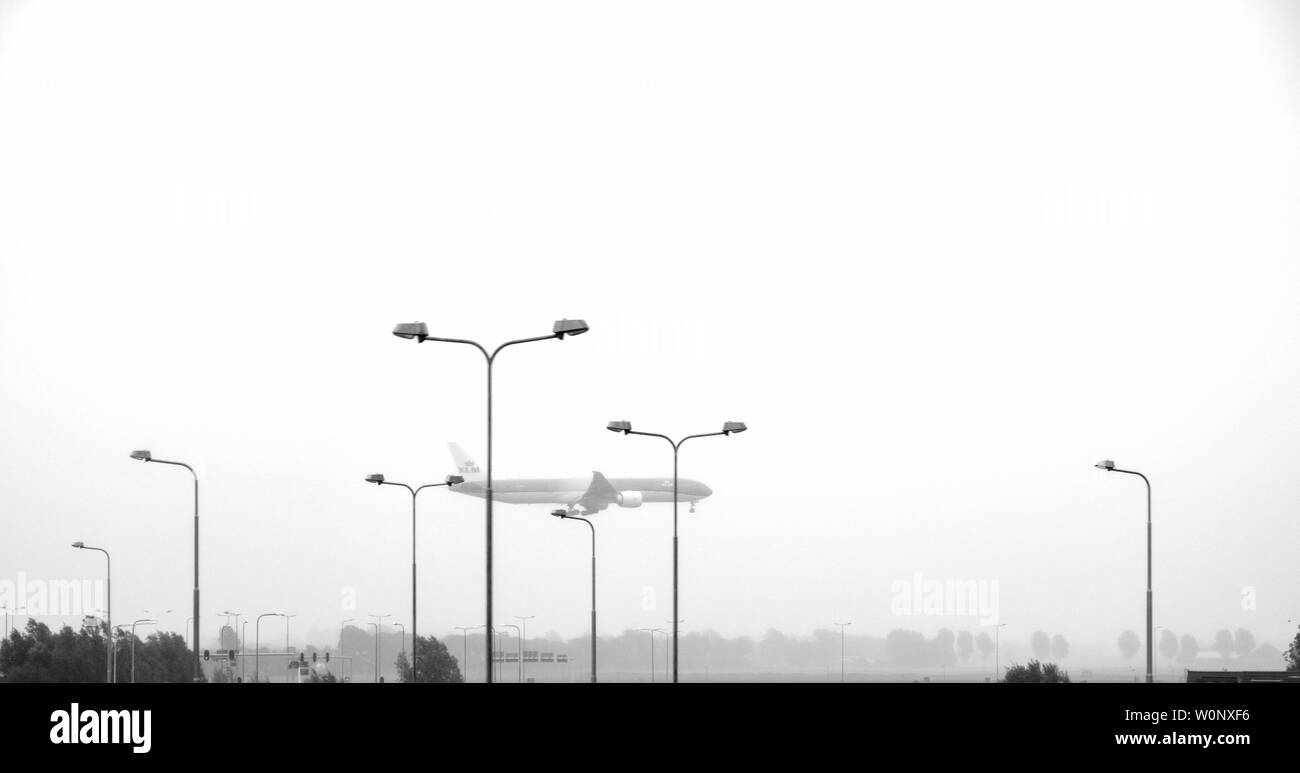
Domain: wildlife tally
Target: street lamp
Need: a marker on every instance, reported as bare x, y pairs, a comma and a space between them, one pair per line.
523, 642
842, 625
419, 331
728, 428
146, 621
379, 627
243, 637
520, 648
464, 647
652, 632
257, 633
145, 456
108, 575
378, 479
566, 514
1109, 466
997, 652
343, 625
403, 637
287, 618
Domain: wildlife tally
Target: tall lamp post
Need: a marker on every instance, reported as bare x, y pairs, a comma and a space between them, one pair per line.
379, 628
625, 427
108, 583
257, 634
464, 647
567, 515
419, 331
379, 480
145, 456
997, 652
1109, 466
842, 625
243, 636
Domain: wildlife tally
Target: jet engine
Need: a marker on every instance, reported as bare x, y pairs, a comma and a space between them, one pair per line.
629, 499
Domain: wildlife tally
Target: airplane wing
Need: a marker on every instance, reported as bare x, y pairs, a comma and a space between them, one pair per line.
599, 495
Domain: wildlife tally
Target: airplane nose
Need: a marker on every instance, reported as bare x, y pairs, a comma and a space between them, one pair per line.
705, 490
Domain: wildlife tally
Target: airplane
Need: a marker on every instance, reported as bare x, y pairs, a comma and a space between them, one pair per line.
578, 495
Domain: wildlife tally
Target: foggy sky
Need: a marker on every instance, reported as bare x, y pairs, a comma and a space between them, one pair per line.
940, 257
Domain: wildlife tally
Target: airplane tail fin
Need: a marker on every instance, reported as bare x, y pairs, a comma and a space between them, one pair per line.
465, 464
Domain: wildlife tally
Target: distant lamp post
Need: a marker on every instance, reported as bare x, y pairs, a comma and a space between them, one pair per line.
523, 642
257, 634
997, 652
419, 332
403, 637
1109, 466
464, 648
379, 480
379, 628
144, 621
728, 428
519, 636
652, 632
287, 618
146, 456
842, 625
108, 582
565, 514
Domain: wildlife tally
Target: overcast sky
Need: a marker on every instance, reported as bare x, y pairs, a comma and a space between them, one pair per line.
941, 257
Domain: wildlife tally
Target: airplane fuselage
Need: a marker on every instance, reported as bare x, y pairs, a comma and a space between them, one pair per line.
567, 491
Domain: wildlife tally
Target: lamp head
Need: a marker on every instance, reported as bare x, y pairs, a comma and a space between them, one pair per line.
1105, 464
620, 426
376, 478
569, 327
733, 426
78, 544
414, 330
143, 456
455, 480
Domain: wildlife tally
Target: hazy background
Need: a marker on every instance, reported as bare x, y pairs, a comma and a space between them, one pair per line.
941, 257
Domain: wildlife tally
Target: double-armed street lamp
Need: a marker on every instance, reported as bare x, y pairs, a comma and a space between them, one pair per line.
419, 332
728, 428
108, 583
523, 642
145, 456
569, 516
378, 480
1109, 466
519, 648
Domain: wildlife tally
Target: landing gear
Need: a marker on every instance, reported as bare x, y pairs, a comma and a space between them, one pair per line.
692, 505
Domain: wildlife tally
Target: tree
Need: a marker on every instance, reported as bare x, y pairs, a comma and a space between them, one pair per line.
1168, 644
1060, 647
1129, 644
1041, 644
1188, 649
1036, 672
1223, 643
1292, 656
435, 663
965, 645
1244, 643
984, 643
